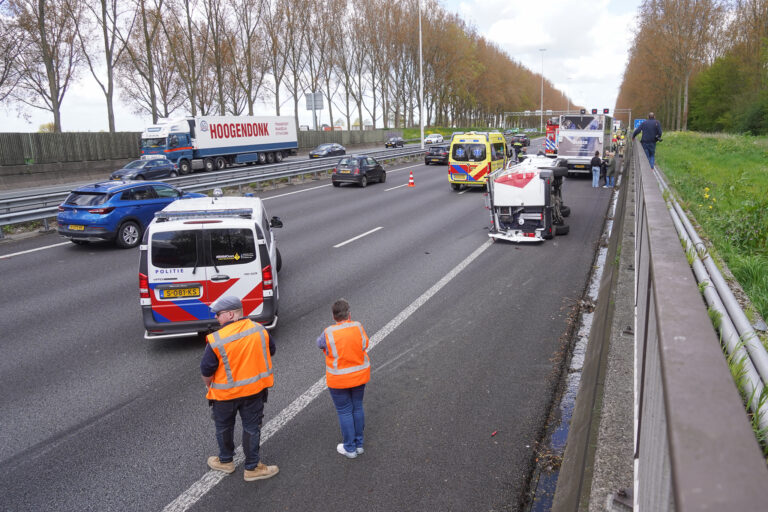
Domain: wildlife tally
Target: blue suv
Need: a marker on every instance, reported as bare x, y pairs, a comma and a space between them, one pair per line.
114, 210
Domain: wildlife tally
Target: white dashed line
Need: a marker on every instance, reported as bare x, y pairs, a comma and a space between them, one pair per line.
393, 188
357, 237
6, 256
210, 479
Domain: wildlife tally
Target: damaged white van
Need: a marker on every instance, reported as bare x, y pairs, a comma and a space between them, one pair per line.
195, 252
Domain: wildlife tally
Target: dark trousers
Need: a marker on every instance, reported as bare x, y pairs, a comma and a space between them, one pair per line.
251, 411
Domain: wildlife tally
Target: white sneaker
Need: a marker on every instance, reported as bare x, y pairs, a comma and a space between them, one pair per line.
359, 450
340, 448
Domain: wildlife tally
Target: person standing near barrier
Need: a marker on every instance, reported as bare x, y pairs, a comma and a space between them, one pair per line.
347, 371
610, 171
237, 370
596, 163
651, 130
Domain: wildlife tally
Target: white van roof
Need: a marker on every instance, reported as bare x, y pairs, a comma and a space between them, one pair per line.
199, 207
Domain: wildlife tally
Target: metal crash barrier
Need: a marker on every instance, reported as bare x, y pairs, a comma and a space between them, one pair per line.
694, 446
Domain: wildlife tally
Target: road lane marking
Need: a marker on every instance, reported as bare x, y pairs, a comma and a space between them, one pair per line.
296, 192
6, 256
463, 191
211, 478
357, 237
393, 188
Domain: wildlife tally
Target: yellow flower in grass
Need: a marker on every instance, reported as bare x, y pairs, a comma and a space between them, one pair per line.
706, 196
706, 189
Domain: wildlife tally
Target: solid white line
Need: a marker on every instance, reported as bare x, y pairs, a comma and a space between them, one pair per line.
393, 188
296, 192
210, 479
31, 250
357, 237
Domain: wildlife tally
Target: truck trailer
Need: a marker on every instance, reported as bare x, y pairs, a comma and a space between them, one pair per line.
579, 136
220, 141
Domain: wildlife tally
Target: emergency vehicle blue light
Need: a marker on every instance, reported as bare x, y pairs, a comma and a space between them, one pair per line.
163, 216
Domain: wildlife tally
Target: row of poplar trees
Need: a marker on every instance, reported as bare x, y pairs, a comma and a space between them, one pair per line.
225, 57
700, 65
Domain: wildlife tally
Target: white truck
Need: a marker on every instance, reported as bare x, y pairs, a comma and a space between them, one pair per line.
220, 141
580, 136
525, 200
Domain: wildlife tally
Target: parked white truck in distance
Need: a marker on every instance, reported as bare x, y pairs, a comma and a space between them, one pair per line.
220, 141
580, 136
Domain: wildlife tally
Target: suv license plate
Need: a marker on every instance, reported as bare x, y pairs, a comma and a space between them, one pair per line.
176, 293
76, 227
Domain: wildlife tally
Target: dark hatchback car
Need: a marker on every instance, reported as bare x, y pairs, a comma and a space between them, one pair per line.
151, 169
437, 154
329, 149
394, 142
359, 169
521, 138
114, 210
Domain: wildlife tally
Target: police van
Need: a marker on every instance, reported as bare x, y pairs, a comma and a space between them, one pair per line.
195, 252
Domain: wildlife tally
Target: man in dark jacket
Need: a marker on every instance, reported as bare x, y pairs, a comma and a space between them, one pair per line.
651, 129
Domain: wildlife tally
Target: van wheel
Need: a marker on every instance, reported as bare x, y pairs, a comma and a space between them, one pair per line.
128, 235
279, 263
209, 165
455, 186
562, 229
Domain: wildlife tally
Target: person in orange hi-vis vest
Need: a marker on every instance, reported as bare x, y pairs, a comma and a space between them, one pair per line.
237, 370
347, 370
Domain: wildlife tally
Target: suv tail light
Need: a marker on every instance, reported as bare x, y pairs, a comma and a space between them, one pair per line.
102, 211
61, 208
266, 277
143, 286
357, 170
335, 170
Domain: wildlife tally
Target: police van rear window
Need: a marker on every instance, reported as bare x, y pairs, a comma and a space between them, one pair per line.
232, 246
175, 249
86, 198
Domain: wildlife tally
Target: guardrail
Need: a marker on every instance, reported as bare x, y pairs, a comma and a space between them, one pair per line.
27, 208
694, 446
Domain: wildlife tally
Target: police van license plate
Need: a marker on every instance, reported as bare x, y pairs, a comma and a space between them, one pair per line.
176, 293
76, 227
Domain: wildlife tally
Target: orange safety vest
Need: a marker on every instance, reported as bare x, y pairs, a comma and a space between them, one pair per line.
245, 366
346, 357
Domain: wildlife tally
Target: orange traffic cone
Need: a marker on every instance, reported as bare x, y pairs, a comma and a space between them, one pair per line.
410, 181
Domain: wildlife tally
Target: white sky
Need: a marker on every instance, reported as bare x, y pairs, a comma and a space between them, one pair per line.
586, 45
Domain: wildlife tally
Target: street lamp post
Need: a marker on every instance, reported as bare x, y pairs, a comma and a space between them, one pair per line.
541, 112
421, 85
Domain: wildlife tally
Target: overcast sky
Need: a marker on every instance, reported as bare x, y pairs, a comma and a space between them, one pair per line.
586, 45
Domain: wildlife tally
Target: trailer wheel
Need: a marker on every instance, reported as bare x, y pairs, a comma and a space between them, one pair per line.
279, 156
184, 167
270, 158
562, 229
209, 164
565, 210
262, 158
221, 162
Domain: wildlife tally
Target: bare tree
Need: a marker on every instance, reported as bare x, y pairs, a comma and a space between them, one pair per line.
248, 48
295, 43
275, 51
49, 63
188, 44
217, 21
12, 43
109, 17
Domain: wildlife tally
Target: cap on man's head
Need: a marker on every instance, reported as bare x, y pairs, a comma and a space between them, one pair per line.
227, 303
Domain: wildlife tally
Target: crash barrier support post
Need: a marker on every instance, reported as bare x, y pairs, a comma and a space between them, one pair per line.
694, 447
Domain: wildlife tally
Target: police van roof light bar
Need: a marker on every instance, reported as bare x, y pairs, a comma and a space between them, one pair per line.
163, 216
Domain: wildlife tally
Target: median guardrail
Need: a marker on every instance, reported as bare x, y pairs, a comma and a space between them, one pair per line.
26, 208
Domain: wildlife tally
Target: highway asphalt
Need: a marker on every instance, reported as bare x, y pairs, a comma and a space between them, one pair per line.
468, 336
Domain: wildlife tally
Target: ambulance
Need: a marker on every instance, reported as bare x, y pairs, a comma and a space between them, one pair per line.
473, 156
209, 247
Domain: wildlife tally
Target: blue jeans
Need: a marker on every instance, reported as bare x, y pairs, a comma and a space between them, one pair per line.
595, 177
650, 152
251, 413
349, 407
610, 181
